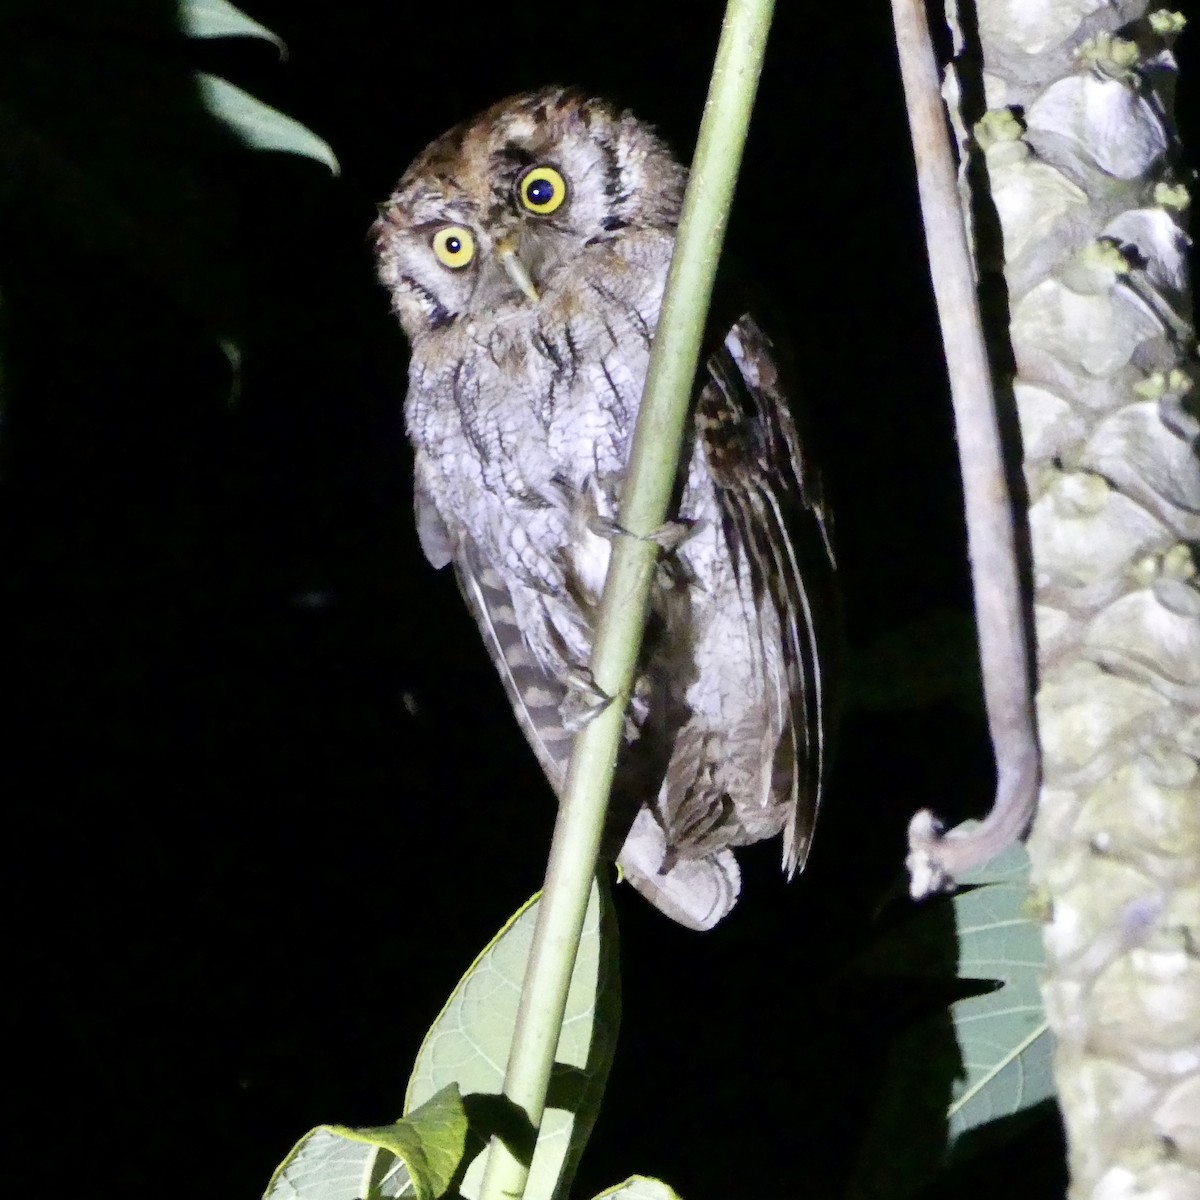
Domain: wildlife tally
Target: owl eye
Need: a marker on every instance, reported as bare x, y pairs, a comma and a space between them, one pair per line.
542, 190
454, 246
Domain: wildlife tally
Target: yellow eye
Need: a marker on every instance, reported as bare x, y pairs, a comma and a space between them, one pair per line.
454, 246
542, 190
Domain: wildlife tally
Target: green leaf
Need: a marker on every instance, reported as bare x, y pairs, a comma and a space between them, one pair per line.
468, 1043
417, 1156
259, 125
970, 1068
218, 18
1004, 1037
639, 1187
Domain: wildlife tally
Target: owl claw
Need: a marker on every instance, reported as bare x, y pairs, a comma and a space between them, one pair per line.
605, 527
668, 537
584, 702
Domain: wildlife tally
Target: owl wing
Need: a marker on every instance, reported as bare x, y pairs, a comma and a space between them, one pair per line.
776, 528
431, 530
536, 698
774, 524
694, 892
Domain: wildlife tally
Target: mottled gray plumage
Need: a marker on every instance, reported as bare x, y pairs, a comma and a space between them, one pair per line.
526, 253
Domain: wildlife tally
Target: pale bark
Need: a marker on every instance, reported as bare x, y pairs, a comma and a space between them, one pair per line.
1081, 166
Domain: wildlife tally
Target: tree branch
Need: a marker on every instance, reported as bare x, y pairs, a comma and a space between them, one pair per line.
935, 858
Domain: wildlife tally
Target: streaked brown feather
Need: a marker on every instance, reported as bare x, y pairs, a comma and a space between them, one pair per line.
774, 520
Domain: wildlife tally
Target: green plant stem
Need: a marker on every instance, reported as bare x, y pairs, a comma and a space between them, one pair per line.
650, 480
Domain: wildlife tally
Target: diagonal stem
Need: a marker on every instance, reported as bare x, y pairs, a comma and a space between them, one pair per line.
646, 497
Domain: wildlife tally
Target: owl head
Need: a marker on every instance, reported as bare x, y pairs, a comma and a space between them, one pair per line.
502, 212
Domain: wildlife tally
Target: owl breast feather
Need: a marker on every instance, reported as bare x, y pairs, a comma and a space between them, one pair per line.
512, 418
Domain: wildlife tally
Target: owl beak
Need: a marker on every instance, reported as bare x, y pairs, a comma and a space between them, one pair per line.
514, 268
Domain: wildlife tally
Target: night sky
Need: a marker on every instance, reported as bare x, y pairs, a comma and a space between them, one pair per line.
266, 799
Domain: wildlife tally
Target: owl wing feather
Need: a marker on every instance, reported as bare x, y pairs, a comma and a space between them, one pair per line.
536, 697
431, 530
775, 525
696, 893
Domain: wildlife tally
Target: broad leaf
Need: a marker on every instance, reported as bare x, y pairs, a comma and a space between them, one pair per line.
258, 124
1003, 1035
417, 1156
985, 1058
219, 18
468, 1043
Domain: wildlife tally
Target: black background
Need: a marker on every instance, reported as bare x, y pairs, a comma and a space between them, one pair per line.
265, 798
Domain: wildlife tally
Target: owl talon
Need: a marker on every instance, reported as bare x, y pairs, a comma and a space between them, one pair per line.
584, 702
668, 537
605, 527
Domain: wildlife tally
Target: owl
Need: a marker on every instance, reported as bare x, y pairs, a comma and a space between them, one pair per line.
526, 253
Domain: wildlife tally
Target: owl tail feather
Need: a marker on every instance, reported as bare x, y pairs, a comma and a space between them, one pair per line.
696, 892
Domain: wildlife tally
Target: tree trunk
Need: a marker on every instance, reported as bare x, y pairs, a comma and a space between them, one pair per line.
1081, 163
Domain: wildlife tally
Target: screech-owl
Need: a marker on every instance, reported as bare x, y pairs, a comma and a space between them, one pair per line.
526, 253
